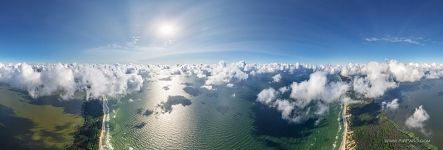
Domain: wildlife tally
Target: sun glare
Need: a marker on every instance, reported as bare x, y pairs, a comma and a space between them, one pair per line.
167, 30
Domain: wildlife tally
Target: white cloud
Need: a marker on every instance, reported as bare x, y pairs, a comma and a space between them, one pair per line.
375, 83
276, 78
226, 73
283, 89
316, 88
309, 98
64, 80
267, 96
317, 91
394, 39
286, 108
418, 118
393, 105
403, 72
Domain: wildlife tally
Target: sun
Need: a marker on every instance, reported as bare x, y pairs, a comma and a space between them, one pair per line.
167, 30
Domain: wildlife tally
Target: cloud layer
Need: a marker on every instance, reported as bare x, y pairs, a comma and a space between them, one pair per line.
296, 101
65, 80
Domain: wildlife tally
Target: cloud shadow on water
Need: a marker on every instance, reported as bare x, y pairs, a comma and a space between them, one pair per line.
140, 125
192, 91
166, 107
12, 127
268, 123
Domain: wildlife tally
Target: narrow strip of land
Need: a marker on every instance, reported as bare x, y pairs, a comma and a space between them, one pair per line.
103, 130
347, 141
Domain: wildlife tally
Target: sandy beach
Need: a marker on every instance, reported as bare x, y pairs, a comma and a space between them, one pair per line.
103, 130
347, 141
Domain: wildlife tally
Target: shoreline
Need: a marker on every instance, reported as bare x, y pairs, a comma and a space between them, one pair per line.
345, 127
103, 130
347, 143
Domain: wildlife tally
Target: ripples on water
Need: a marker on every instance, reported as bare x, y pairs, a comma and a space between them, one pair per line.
226, 118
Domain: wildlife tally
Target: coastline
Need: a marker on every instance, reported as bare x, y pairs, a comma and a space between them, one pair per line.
347, 141
103, 129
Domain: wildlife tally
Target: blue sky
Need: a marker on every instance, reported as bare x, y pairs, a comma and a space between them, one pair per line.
311, 31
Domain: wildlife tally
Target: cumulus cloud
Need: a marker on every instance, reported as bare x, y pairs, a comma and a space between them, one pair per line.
316, 91
303, 99
312, 96
375, 82
418, 119
224, 74
284, 89
317, 88
403, 72
267, 96
276, 78
393, 105
65, 80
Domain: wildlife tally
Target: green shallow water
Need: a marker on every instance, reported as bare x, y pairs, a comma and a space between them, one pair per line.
227, 118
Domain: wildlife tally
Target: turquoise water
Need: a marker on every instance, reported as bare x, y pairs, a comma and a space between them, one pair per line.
225, 118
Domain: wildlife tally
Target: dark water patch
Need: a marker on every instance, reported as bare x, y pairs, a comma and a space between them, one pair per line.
53, 136
390, 95
268, 123
166, 107
62, 127
222, 109
192, 91
212, 94
73, 106
166, 88
143, 112
426, 87
187, 84
364, 114
274, 145
166, 78
139, 111
93, 108
140, 125
409, 86
15, 132
19, 92
88, 135
148, 112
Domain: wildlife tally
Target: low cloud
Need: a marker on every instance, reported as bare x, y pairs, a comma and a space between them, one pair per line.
267, 96
316, 92
297, 101
224, 74
417, 119
96, 81
393, 105
276, 78
375, 82
310, 98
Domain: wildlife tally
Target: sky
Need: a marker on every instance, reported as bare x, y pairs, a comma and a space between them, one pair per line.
202, 31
